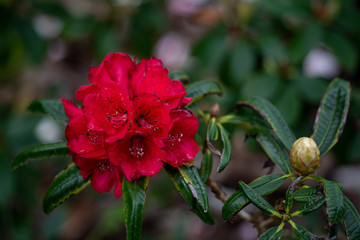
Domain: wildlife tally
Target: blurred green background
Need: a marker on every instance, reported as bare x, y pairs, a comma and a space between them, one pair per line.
285, 51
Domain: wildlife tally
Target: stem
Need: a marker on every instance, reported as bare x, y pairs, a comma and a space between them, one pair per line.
259, 224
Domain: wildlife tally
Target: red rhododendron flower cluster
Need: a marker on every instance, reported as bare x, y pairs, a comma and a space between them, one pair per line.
133, 119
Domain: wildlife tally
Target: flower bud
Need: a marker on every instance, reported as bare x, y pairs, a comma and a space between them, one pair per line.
305, 156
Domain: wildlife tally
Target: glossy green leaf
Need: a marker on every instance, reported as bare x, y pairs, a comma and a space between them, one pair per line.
310, 207
134, 200
273, 233
196, 185
331, 115
264, 185
206, 166
274, 150
200, 89
334, 199
226, 152
277, 122
351, 220
53, 108
300, 231
258, 201
212, 131
248, 122
184, 189
67, 183
289, 199
39, 152
306, 194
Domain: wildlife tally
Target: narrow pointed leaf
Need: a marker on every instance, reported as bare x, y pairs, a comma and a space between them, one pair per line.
184, 189
212, 131
274, 118
226, 152
206, 166
310, 207
306, 194
264, 185
301, 232
273, 233
200, 89
274, 150
196, 185
258, 201
289, 199
53, 108
67, 183
331, 115
134, 200
248, 121
334, 199
351, 220
39, 152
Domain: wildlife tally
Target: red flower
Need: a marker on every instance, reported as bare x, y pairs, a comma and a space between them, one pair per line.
133, 119
88, 150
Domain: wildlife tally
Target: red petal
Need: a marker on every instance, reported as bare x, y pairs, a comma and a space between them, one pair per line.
109, 113
103, 179
151, 113
151, 77
71, 110
92, 72
85, 90
133, 167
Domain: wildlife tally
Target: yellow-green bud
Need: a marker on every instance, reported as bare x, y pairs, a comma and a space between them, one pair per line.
305, 156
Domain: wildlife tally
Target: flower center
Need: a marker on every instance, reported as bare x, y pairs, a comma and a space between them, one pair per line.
143, 123
94, 137
117, 119
105, 166
137, 147
172, 139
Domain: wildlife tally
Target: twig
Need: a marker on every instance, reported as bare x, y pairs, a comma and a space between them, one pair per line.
259, 224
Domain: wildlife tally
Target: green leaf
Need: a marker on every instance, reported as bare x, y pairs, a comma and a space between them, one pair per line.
258, 201
248, 121
212, 131
53, 108
306, 194
309, 207
180, 76
277, 122
274, 150
334, 199
196, 185
186, 192
67, 183
289, 199
200, 89
331, 115
206, 166
38, 152
273, 233
351, 220
226, 152
134, 200
300, 231
264, 185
